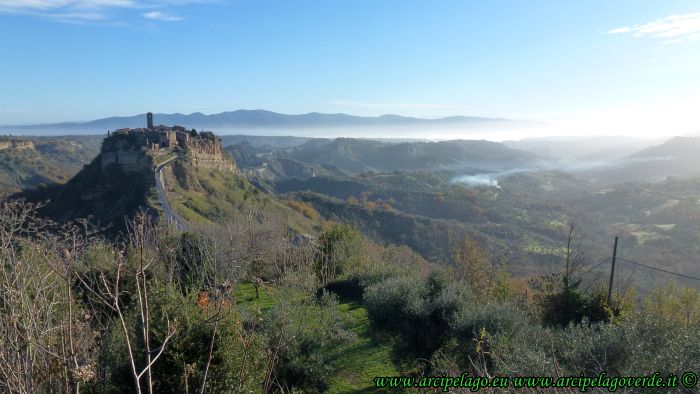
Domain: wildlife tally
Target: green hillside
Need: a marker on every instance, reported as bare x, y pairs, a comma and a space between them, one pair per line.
204, 195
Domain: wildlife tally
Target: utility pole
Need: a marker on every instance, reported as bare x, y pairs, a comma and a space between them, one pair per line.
612, 273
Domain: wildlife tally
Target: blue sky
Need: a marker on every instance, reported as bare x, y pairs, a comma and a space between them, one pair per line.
615, 66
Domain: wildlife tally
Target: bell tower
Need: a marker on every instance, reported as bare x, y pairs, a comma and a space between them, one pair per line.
149, 120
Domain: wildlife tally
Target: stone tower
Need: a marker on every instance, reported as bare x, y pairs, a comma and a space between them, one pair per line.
149, 120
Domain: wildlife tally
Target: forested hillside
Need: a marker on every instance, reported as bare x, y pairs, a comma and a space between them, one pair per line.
40, 161
522, 214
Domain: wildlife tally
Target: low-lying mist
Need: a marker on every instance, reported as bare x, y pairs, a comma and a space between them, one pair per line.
583, 168
506, 130
489, 179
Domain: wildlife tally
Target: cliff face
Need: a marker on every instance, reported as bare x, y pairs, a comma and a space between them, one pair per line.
16, 144
124, 152
186, 175
132, 151
207, 152
127, 160
212, 161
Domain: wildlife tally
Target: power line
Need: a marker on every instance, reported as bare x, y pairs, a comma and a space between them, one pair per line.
659, 269
605, 260
597, 276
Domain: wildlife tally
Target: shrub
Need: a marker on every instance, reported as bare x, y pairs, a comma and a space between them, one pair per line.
193, 260
303, 208
514, 343
420, 312
298, 332
392, 302
619, 348
561, 302
349, 289
237, 357
340, 252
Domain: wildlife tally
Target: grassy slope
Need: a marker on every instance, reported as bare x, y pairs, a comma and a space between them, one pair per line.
245, 296
356, 364
229, 196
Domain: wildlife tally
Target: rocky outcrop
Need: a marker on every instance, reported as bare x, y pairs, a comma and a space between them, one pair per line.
127, 160
16, 144
185, 175
206, 151
212, 161
131, 150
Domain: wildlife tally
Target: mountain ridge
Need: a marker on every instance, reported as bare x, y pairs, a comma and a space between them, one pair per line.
253, 119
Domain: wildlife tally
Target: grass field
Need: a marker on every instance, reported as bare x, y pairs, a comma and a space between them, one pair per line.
358, 363
245, 296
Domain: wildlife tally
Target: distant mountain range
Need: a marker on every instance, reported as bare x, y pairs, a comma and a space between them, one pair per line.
230, 122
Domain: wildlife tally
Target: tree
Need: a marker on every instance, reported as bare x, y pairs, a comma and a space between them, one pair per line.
560, 299
194, 262
501, 289
47, 340
472, 265
680, 304
341, 251
134, 261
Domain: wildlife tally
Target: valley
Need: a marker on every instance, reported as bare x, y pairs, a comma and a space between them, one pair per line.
320, 259
27, 162
398, 192
396, 196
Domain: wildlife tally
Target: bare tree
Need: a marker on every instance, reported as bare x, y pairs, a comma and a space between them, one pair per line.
141, 236
39, 321
575, 257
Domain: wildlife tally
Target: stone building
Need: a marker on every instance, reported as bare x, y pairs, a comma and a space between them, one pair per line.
203, 148
156, 137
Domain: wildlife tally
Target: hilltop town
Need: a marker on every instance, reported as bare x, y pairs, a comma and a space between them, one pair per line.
124, 147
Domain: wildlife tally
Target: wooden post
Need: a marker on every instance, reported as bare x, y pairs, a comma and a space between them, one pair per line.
612, 272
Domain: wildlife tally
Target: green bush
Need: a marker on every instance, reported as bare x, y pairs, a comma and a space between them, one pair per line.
238, 358
340, 253
391, 303
421, 312
194, 269
639, 344
479, 328
512, 342
299, 331
562, 303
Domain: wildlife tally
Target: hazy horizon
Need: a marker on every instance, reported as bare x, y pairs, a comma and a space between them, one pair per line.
516, 129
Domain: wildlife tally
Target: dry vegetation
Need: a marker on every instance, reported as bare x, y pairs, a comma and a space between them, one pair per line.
249, 305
